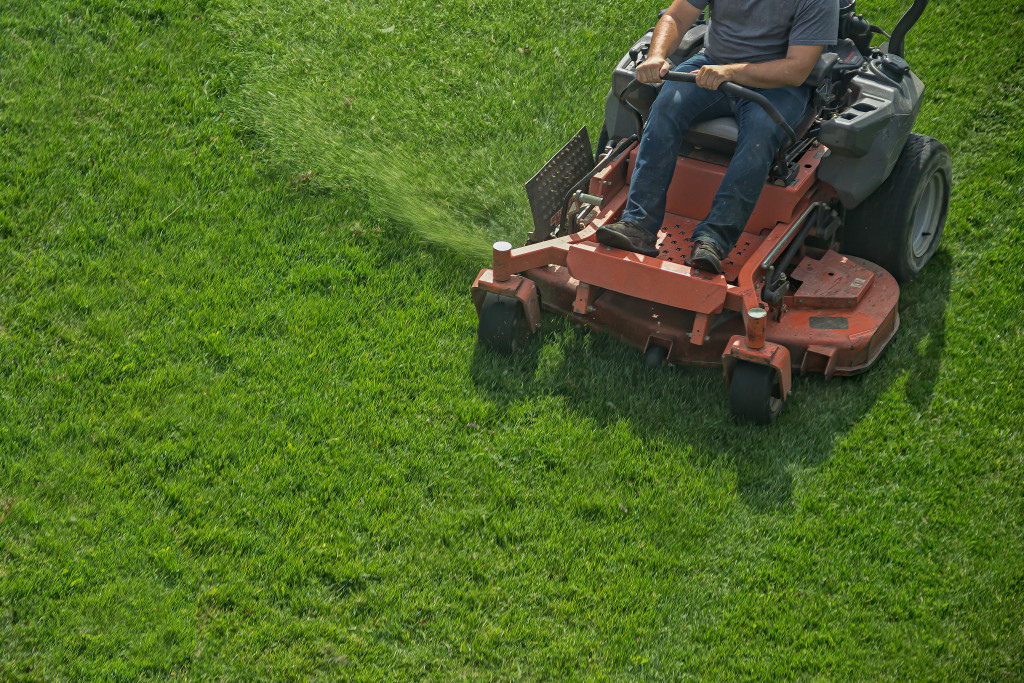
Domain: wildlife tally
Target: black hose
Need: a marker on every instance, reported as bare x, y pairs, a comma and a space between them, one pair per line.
873, 68
798, 241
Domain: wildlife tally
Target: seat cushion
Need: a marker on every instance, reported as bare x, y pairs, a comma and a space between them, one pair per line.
720, 134
717, 134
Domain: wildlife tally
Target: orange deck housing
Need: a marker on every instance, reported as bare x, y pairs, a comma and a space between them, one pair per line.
836, 321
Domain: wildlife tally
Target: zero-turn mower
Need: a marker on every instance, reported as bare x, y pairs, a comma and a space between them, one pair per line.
855, 203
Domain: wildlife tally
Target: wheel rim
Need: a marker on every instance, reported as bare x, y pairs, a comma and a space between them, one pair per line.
926, 216
774, 402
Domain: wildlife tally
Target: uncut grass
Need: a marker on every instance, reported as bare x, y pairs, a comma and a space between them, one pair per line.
247, 432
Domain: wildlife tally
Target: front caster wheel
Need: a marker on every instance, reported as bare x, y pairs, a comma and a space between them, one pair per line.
503, 325
755, 393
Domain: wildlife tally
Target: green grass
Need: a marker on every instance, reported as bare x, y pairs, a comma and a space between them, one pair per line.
246, 432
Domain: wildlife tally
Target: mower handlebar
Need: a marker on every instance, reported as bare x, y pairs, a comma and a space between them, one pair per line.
730, 88
904, 25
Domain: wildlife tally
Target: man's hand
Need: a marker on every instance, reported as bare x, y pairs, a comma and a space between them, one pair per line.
711, 76
652, 70
668, 32
793, 69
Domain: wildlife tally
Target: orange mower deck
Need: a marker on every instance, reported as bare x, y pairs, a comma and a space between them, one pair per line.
836, 320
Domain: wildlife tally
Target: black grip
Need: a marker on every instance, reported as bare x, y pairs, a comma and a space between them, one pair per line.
735, 90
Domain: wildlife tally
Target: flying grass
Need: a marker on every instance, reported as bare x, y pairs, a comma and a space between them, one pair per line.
440, 121
393, 181
246, 432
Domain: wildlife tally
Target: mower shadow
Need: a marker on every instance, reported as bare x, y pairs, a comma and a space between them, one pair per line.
606, 383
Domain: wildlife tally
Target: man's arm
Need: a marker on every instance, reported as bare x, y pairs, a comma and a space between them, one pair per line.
793, 69
669, 32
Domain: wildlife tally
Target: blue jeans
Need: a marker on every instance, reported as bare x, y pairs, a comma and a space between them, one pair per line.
679, 106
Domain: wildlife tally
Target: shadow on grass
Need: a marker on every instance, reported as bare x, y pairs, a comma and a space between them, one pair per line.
606, 383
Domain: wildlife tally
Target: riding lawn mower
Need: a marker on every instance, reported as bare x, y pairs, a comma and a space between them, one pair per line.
854, 204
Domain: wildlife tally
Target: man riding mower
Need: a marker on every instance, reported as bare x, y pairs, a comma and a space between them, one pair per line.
755, 210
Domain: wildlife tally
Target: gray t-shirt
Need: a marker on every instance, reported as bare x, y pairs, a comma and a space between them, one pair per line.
762, 30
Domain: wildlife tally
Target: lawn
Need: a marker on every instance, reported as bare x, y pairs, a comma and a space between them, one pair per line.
246, 432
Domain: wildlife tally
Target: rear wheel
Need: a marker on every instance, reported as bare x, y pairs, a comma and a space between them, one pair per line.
755, 393
899, 226
503, 325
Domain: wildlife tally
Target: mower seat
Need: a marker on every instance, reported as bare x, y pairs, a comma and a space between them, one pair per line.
717, 134
720, 134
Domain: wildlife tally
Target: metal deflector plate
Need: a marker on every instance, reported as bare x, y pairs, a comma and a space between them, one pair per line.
547, 189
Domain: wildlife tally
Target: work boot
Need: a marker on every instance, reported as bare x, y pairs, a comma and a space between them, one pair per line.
705, 256
623, 235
